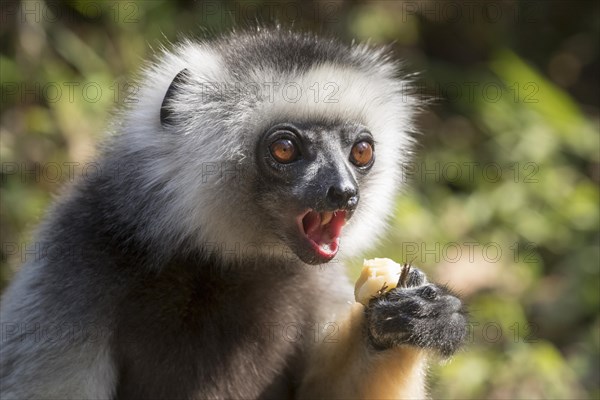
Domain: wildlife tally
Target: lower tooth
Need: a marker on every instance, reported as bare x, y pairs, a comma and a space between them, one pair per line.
325, 247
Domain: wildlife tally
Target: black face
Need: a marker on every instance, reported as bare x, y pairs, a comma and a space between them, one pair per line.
310, 178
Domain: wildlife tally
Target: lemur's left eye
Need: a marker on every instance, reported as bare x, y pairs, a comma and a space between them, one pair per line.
362, 153
284, 151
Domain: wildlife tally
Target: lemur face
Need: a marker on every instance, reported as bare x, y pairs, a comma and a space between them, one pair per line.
313, 173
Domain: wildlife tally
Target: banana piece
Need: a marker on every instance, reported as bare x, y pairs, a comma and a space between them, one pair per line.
378, 276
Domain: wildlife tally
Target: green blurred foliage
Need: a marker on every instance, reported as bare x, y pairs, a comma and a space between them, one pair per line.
502, 198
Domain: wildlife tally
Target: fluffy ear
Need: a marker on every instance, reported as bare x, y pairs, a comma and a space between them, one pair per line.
166, 112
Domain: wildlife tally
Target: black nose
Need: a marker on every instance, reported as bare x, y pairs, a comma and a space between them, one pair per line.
342, 197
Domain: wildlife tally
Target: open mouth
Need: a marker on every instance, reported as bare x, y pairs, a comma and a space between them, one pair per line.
323, 230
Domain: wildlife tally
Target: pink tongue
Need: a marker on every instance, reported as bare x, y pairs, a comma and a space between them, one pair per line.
337, 223
326, 234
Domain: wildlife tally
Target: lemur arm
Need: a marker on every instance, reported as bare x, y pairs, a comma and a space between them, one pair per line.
349, 367
381, 347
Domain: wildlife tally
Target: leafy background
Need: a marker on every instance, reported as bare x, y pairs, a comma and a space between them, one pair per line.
503, 195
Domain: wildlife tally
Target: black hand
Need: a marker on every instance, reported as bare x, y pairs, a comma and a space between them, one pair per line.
423, 315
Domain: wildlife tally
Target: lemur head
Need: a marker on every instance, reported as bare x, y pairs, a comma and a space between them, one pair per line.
273, 142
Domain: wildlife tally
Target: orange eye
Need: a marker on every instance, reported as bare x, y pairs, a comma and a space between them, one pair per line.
284, 151
361, 154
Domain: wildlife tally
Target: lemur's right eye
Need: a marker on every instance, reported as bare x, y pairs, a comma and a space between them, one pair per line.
284, 151
361, 154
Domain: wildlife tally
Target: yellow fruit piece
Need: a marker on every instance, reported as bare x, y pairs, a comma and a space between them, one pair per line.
376, 274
